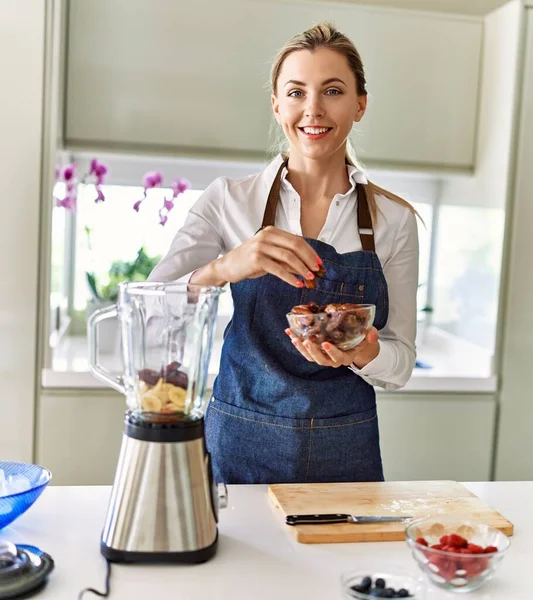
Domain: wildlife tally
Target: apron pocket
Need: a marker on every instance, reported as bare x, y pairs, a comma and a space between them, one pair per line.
249, 447
345, 449
330, 291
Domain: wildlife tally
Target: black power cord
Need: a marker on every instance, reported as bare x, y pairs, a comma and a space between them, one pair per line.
107, 592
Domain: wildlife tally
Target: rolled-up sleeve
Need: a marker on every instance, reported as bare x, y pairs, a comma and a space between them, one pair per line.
200, 240
394, 365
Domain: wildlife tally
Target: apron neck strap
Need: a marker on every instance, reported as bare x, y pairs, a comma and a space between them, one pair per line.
364, 219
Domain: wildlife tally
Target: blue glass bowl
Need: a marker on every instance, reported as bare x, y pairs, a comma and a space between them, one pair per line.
14, 505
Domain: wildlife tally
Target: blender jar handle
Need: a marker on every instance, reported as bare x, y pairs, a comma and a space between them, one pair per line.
92, 336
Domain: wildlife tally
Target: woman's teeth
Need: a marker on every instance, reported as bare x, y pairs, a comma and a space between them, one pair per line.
315, 130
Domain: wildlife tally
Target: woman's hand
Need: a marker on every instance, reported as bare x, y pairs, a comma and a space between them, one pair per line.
272, 251
327, 355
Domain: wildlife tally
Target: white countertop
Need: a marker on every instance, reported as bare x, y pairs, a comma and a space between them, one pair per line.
257, 557
456, 365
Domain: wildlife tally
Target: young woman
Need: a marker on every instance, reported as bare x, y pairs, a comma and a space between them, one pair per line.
283, 410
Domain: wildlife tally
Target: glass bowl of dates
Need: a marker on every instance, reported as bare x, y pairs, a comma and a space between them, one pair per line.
343, 325
456, 555
365, 585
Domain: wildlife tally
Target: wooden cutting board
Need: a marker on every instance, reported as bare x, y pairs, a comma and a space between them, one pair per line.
416, 498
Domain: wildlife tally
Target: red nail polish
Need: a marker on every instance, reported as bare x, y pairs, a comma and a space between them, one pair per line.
300, 284
319, 260
288, 331
326, 346
317, 267
294, 341
310, 275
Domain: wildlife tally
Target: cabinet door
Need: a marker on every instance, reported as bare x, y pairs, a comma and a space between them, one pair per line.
79, 433
437, 436
22, 60
184, 83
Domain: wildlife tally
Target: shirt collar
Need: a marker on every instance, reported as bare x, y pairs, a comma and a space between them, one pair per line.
355, 174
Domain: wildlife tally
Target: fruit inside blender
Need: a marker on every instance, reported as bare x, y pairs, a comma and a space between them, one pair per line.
163, 392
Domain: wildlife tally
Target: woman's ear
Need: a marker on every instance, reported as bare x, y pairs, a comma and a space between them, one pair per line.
275, 108
361, 108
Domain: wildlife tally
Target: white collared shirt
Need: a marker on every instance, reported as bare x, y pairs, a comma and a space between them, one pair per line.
230, 211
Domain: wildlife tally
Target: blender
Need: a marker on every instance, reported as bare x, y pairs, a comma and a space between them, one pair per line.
164, 503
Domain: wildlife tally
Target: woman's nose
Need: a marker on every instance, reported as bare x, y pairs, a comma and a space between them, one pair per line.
314, 107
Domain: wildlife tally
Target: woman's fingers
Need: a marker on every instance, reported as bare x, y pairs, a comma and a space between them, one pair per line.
317, 355
274, 268
337, 356
289, 260
294, 243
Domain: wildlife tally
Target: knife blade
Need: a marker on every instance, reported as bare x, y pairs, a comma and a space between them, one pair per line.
320, 519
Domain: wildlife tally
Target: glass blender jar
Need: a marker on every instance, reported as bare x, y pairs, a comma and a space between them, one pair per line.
167, 333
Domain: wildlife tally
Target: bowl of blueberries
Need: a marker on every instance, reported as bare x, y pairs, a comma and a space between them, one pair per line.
390, 584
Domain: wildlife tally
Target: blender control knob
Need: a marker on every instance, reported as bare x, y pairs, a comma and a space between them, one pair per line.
222, 495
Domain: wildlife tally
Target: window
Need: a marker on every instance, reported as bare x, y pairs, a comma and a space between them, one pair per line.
467, 272
460, 281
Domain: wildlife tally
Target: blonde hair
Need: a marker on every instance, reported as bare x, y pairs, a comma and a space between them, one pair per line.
325, 35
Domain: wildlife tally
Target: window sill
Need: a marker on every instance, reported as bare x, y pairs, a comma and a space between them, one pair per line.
456, 366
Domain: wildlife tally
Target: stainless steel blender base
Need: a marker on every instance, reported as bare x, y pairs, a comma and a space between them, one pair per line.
163, 506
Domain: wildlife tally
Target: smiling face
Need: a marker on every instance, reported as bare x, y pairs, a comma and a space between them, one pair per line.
316, 102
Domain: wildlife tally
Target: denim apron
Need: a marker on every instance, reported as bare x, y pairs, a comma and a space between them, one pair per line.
274, 417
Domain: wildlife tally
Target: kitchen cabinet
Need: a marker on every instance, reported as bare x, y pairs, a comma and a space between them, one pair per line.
437, 436
423, 436
22, 60
79, 434
183, 84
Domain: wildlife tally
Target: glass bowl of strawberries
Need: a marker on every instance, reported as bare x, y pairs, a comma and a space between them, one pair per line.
456, 555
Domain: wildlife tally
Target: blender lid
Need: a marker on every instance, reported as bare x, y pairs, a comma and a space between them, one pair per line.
23, 570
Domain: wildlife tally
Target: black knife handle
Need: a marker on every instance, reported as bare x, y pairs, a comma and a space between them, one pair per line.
316, 519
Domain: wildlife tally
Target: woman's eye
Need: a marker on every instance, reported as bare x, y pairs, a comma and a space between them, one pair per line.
296, 94
333, 92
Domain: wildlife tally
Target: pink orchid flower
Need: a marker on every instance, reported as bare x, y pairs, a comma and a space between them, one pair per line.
100, 195
163, 217
69, 172
179, 186
152, 179
137, 205
168, 205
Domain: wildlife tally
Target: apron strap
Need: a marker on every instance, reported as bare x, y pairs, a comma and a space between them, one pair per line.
269, 217
364, 219
366, 230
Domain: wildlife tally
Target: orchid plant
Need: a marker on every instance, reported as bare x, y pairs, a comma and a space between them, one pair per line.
141, 266
154, 179
97, 173
69, 176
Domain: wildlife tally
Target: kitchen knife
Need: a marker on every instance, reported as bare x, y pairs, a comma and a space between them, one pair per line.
339, 518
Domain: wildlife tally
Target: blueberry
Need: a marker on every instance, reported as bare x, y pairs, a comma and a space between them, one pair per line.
380, 583
358, 588
366, 584
403, 593
377, 593
389, 593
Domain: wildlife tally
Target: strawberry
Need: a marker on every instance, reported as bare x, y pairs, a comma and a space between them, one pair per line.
490, 550
422, 541
457, 541
445, 540
437, 546
475, 549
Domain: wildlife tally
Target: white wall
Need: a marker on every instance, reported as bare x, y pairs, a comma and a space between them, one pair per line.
515, 440
22, 44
